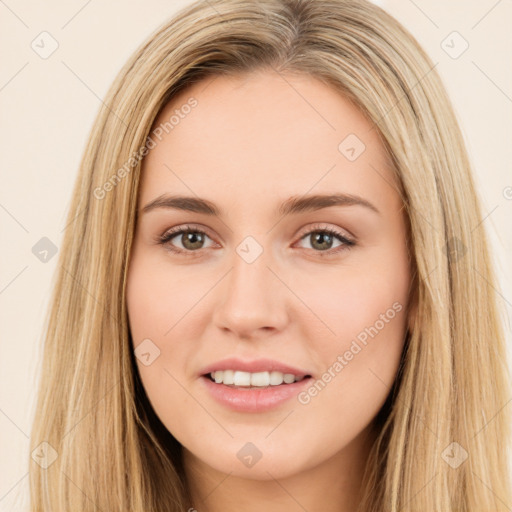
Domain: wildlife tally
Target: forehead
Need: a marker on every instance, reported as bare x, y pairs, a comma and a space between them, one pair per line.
263, 134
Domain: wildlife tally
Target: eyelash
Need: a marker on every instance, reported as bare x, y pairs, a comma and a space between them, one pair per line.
170, 234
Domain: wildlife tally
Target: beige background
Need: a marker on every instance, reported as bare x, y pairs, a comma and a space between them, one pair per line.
48, 106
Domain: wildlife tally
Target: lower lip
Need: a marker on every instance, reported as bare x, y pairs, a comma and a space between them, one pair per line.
254, 399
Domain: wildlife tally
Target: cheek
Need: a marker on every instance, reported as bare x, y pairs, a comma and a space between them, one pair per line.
349, 301
365, 310
158, 299
156, 304
156, 311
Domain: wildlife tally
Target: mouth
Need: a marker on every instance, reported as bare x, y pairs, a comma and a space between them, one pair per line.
237, 379
253, 392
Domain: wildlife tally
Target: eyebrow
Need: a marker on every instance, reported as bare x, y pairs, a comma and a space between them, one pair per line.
295, 204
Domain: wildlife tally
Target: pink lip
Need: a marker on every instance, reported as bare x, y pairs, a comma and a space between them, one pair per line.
257, 365
253, 399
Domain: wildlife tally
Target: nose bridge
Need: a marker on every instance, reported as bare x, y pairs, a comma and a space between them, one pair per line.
251, 296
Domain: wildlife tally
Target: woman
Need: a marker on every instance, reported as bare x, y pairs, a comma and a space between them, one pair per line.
276, 290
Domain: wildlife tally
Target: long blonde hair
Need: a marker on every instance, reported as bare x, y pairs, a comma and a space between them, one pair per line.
112, 452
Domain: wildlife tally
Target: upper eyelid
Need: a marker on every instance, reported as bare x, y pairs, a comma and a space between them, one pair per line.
304, 231
176, 230
317, 226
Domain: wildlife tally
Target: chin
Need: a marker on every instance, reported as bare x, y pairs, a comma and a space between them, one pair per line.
259, 459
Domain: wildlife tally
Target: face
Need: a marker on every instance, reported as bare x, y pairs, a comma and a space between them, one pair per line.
289, 257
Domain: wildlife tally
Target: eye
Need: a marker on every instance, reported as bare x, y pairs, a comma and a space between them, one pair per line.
191, 238
322, 239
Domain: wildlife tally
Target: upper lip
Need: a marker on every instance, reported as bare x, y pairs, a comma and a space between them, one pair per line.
256, 365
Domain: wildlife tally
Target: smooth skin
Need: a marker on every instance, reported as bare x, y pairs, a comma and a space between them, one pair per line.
251, 143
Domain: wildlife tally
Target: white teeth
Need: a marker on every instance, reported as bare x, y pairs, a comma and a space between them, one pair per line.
257, 379
289, 378
227, 376
241, 379
260, 379
276, 378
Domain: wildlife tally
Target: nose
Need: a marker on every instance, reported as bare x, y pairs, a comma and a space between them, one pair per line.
252, 299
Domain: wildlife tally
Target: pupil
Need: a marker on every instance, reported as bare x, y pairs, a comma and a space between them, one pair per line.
321, 237
192, 240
